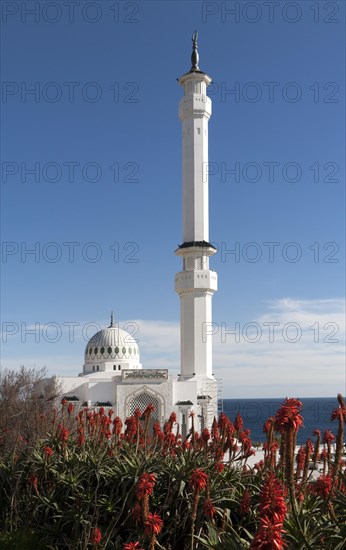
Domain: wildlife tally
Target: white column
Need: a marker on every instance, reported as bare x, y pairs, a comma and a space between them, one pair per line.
195, 284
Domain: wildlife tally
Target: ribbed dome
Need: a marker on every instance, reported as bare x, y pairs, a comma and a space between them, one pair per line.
110, 344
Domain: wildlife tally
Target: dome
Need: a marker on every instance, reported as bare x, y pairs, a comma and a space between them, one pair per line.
112, 344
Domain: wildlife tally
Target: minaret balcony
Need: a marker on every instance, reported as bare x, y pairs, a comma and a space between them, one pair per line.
197, 280
195, 105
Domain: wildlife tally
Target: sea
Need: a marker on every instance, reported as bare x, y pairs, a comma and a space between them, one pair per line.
316, 413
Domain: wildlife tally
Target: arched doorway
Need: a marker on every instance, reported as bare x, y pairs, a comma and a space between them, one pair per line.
141, 400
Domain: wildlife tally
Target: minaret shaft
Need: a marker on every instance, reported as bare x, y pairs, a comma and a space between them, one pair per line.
195, 284
195, 183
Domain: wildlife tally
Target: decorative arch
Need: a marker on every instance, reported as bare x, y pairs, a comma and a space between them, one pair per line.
141, 398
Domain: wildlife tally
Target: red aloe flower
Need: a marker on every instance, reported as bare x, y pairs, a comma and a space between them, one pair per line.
309, 449
173, 418
209, 508
315, 456
131, 427
259, 465
287, 422
153, 525
300, 458
215, 431
205, 436
219, 467
48, 451
63, 433
272, 501
309, 445
272, 513
225, 425
132, 546
322, 486
157, 430
268, 537
340, 412
267, 426
323, 454
198, 480
169, 439
95, 536
149, 409
328, 437
246, 444
117, 425
167, 428
274, 447
81, 437
238, 422
33, 480
223, 420
288, 415
244, 508
145, 485
70, 408
136, 512
137, 414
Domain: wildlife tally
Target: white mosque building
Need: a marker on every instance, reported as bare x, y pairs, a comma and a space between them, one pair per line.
113, 375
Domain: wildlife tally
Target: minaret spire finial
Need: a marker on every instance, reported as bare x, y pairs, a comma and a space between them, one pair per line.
194, 55
112, 320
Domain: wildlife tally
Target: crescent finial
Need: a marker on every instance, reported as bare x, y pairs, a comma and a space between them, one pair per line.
112, 319
194, 55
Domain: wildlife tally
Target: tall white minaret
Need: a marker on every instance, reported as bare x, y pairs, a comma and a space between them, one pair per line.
196, 283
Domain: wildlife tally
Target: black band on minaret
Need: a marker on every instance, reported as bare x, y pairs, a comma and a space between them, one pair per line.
194, 55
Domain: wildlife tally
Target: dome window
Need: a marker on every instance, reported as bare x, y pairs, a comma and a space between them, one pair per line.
130, 351
109, 350
102, 350
124, 351
116, 351
90, 351
96, 351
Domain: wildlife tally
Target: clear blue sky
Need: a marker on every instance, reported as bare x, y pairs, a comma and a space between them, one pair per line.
102, 130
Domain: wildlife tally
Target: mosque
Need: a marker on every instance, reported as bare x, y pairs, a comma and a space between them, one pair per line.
113, 375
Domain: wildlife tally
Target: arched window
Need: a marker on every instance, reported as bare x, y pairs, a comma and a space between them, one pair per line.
141, 402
